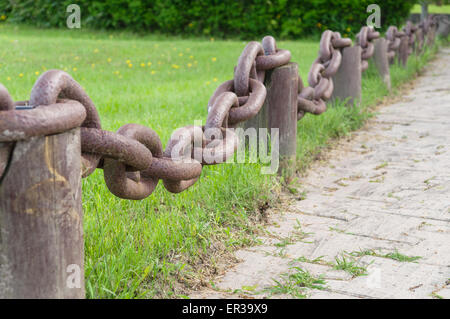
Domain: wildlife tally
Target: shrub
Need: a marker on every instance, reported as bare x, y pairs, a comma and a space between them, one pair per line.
220, 18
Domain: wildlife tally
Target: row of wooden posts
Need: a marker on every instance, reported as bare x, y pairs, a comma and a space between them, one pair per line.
41, 218
280, 108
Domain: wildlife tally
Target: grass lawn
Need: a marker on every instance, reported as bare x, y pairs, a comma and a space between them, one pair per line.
432, 8
159, 246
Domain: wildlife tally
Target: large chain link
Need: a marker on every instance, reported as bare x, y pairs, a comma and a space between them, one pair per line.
312, 99
364, 40
393, 36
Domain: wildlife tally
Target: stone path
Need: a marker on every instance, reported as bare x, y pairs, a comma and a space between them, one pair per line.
383, 195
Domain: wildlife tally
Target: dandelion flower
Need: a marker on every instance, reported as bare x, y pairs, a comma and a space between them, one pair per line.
20, 75
8, 78
96, 51
175, 66
214, 59
74, 69
215, 79
189, 65
191, 57
37, 72
153, 72
143, 65
149, 63
180, 54
109, 60
128, 61
130, 65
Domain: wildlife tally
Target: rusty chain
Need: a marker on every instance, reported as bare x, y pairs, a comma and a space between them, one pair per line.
363, 39
133, 159
312, 99
410, 31
393, 36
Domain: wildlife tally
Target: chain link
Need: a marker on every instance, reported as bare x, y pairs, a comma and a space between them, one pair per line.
312, 99
393, 36
363, 39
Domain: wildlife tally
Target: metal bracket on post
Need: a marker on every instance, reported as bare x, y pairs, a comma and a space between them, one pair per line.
347, 80
41, 228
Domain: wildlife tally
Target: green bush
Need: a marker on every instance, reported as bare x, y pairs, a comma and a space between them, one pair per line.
219, 18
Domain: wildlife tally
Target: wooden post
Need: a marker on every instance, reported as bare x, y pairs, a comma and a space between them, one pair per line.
430, 36
280, 111
41, 220
381, 61
403, 51
347, 80
282, 91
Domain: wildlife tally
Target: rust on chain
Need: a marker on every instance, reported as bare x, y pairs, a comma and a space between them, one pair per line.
312, 99
252, 103
393, 36
145, 142
178, 153
246, 64
55, 84
363, 39
42, 120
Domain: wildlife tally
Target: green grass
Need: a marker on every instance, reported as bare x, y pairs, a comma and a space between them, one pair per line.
161, 246
295, 284
395, 255
432, 8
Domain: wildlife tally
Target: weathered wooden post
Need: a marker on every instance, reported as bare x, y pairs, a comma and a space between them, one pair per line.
282, 91
41, 219
380, 57
403, 51
280, 111
347, 80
